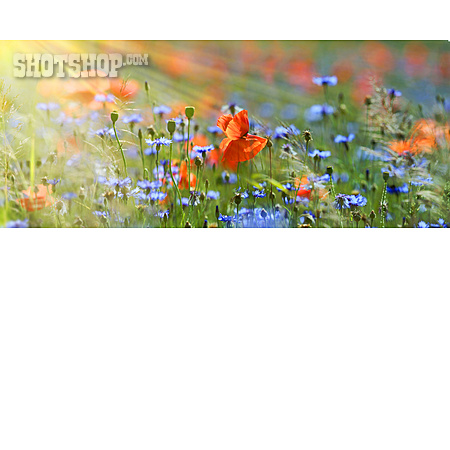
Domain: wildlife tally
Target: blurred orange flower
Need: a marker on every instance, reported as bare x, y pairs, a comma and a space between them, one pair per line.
239, 146
34, 201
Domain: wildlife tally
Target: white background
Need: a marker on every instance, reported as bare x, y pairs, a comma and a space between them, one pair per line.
224, 339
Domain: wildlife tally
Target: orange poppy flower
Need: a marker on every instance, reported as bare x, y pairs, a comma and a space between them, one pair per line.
184, 177
36, 200
239, 146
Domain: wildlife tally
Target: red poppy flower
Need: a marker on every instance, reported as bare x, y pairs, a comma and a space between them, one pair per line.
239, 146
33, 201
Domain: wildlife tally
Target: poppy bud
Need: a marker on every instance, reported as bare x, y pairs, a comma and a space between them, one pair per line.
114, 116
140, 134
171, 126
385, 176
202, 196
330, 170
196, 127
189, 111
217, 212
238, 198
188, 225
372, 214
165, 218
151, 131
206, 184
269, 142
147, 87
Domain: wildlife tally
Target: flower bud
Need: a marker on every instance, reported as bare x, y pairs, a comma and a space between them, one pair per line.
202, 196
147, 87
198, 161
171, 126
151, 131
307, 136
82, 194
238, 198
217, 212
330, 170
269, 143
385, 176
114, 116
205, 224
188, 225
372, 214
368, 100
140, 134
189, 111
206, 184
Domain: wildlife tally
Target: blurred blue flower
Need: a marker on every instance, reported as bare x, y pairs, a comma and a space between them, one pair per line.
159, 141
47, 106
214, 129
325, 81
104, 98
394, 93
440, 224
423, 224
213, 195
133, 118
318, 112
344, 139
162, 109
321, 154
17, 223
201, 150
69, 195
397, 189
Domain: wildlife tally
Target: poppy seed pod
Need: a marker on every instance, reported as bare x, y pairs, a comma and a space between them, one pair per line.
189, 111
171, 126
385, 176
307, 136
330, 170
238, 199
114, 116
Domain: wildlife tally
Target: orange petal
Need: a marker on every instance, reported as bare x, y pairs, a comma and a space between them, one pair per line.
223, 121
239, 126
243, 149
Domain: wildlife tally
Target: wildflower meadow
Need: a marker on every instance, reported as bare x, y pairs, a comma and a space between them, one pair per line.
238, 134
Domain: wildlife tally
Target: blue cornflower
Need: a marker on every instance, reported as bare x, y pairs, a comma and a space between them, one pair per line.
325, 81
105, 132
157, 195
258, 194
17, 223
322, 155
214, 129
232, 177
440, 224
133, 118
393, 171
341, 201
159, 141
184, 201
201, 150
69, 195
394, 93
284, 132
289, 112
47, 106
423, 224
146, 184
162, 109
213, 195
178, 137
397, 189
357, 200
113, 182
101, 214
54, 182
344, 139
161, 214
150, 151
421, 181
104, 98
227, 219
318, 112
